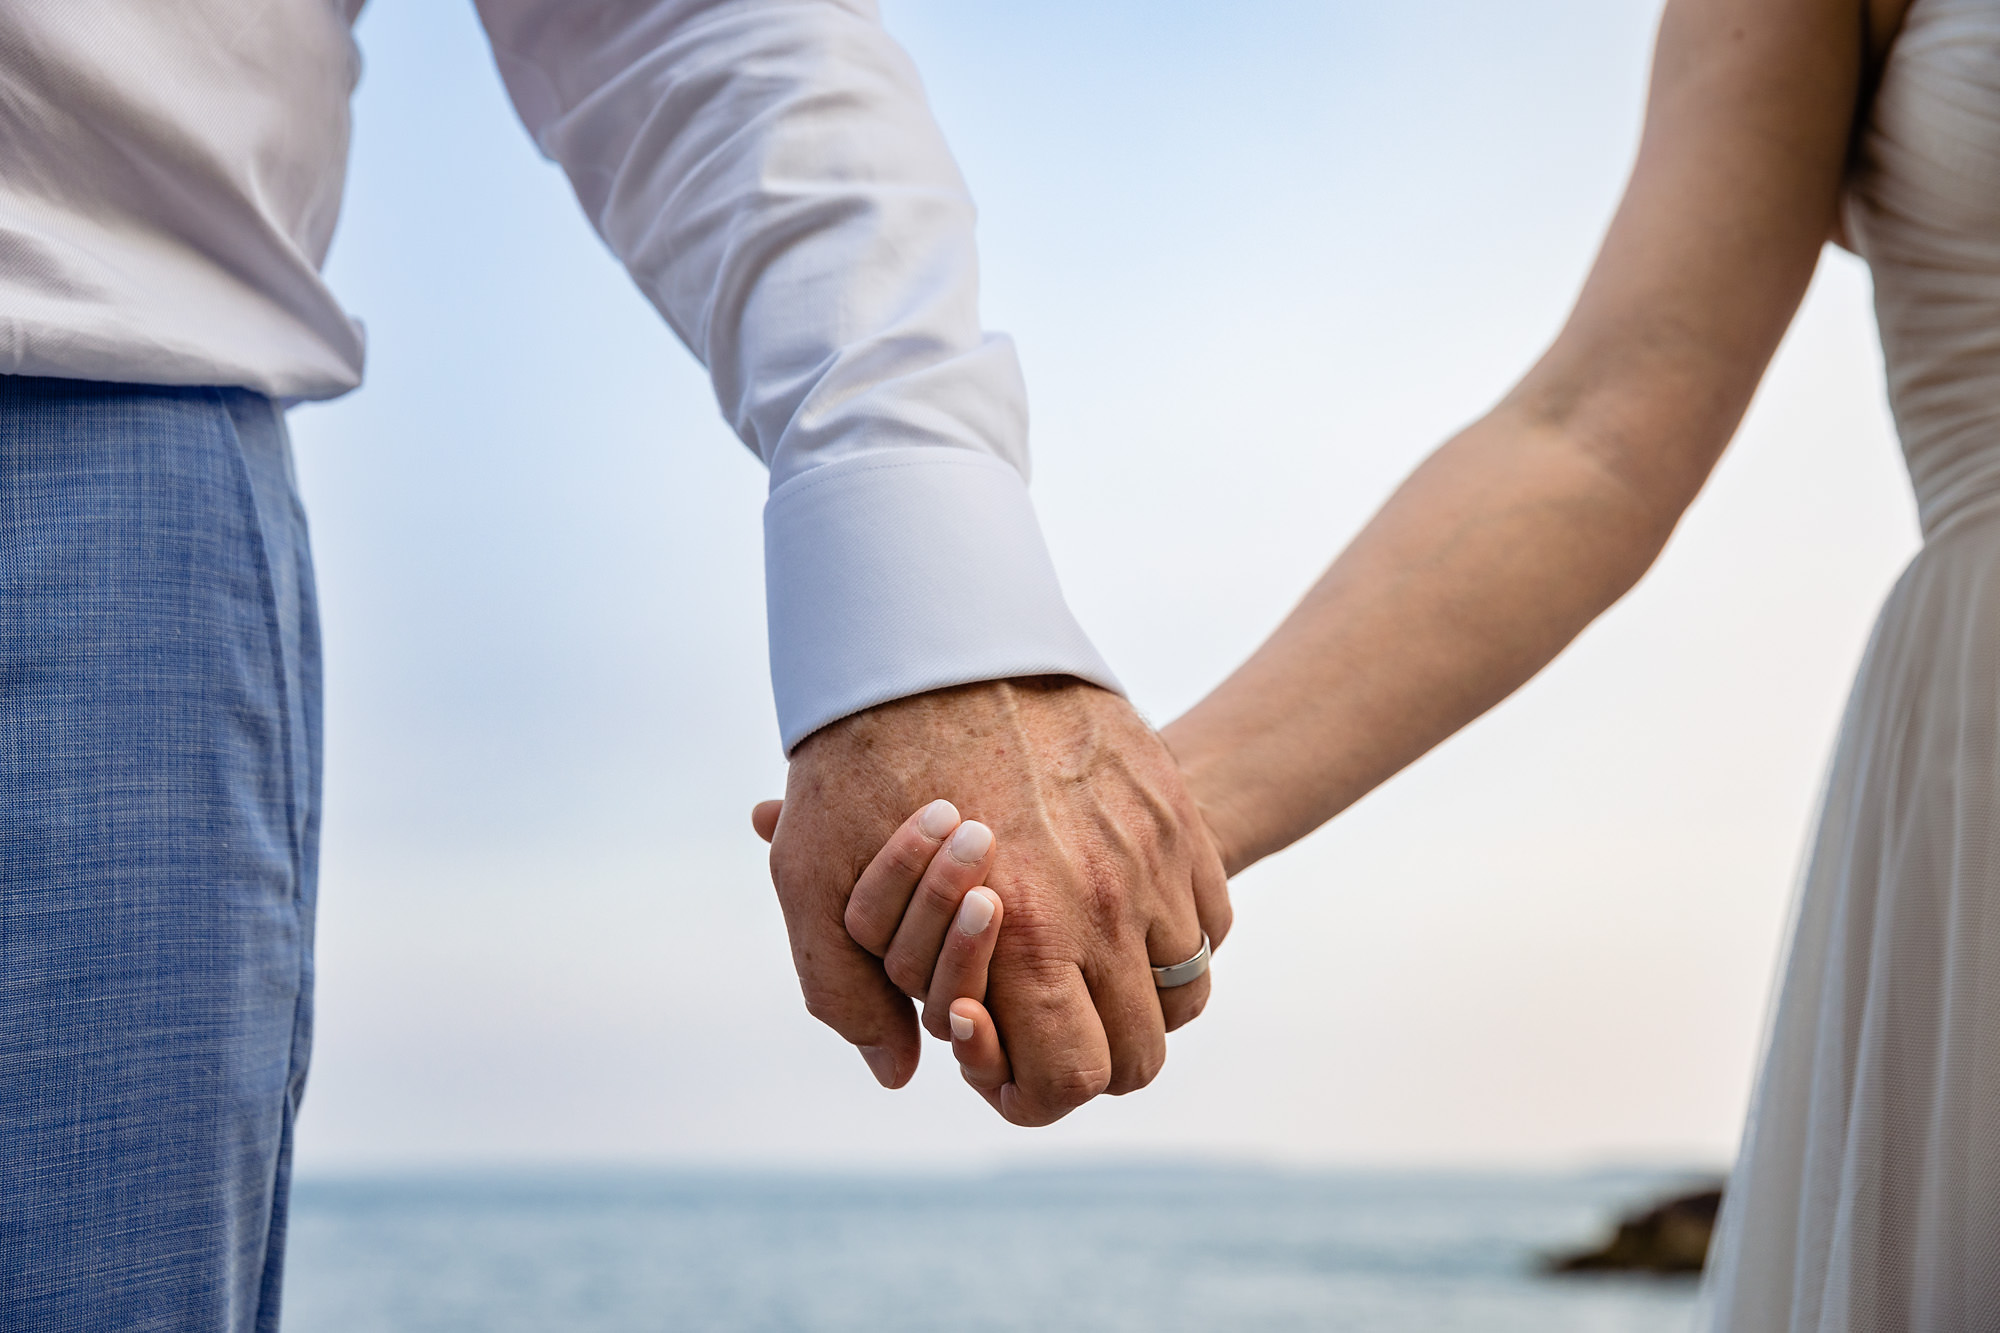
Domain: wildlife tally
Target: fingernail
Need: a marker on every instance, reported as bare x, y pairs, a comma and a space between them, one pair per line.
975, 911
881, 1063
961, 1027
937, 819
972, 841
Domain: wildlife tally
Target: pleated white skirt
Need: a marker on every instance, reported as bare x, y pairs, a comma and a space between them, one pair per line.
1866, 1198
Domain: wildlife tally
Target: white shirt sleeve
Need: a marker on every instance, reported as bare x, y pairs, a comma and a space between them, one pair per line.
772, 177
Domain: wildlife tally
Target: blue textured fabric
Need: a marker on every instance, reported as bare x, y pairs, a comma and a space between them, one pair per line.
159, 790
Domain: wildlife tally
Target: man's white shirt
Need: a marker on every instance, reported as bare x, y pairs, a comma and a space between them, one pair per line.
767, 170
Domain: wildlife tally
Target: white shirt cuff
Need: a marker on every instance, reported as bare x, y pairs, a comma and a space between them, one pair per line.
890, 574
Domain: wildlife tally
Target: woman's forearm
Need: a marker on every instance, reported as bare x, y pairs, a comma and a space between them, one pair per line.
1512, 537
1478, 571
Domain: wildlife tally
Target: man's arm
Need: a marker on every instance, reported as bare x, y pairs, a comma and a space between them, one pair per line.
771, 176
769, 172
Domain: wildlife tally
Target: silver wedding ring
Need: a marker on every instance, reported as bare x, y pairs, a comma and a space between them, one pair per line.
1180, 974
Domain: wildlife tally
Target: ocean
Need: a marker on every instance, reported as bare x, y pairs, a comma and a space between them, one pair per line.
1154, 1249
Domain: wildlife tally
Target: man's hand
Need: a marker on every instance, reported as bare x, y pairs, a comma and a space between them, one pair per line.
1104, 869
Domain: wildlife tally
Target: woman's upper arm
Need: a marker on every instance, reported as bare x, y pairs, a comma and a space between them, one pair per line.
1735, 190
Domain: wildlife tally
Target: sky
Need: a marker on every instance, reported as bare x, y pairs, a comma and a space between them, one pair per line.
1258, 260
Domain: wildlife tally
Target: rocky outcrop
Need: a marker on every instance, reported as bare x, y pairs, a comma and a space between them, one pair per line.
1670, 1237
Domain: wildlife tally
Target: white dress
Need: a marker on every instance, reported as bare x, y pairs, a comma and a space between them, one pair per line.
1866, 1198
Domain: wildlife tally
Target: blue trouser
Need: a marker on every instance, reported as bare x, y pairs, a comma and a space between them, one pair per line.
159, 794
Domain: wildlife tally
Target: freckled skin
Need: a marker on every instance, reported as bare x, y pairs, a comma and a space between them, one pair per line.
1102, 866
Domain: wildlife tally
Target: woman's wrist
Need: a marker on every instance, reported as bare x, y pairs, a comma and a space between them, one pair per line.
1204, 768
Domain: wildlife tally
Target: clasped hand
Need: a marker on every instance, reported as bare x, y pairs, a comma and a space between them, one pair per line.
1102, 867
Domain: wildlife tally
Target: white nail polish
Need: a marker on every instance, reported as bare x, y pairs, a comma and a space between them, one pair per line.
972, 841
937, 819
961, 1028
975, 911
